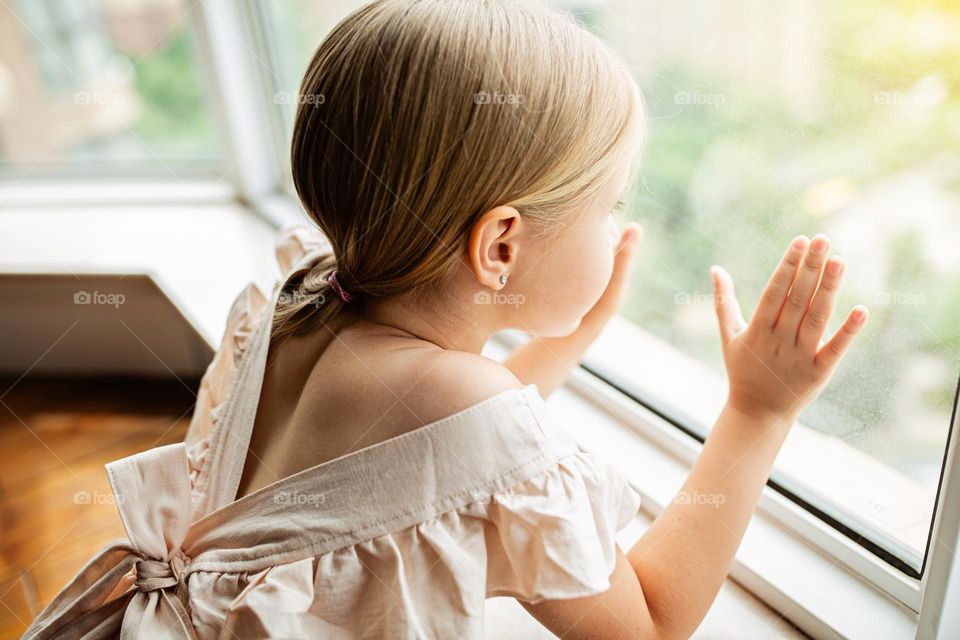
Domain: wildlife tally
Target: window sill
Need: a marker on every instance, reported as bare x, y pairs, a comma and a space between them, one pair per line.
197, 243
816, 590
68, 193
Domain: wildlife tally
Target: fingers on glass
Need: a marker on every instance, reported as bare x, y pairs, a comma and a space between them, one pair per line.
832, 350
804, 286
775, 293
814, 323
728, 310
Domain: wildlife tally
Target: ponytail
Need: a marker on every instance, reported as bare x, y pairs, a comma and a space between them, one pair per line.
308, 300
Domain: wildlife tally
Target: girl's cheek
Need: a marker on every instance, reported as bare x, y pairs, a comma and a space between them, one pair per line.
615, 231
607, 255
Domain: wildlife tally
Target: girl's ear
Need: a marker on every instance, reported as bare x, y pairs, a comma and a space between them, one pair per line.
494, 244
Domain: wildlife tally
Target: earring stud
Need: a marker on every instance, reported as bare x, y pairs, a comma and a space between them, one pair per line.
503, 279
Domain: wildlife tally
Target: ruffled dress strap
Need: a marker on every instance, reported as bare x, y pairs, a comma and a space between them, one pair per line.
217, 477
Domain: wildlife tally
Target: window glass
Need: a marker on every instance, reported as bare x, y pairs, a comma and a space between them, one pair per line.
293, 30
88, 83
767, 120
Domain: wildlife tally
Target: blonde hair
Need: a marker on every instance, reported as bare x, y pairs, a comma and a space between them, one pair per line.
417, 116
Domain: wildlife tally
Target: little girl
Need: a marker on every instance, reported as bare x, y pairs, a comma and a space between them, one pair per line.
354, 466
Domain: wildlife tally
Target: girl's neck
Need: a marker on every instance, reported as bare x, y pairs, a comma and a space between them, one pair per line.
451, 328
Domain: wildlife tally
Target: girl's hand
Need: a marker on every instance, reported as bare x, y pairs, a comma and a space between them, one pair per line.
616, 292
778, 362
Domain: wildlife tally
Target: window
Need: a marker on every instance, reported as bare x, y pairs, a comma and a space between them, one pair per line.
92, 84
767, 120
770, 120
293, 30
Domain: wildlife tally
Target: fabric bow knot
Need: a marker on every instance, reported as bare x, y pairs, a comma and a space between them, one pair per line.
156, 574
131, 589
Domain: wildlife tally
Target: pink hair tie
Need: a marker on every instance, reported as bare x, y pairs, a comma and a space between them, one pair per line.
332, 281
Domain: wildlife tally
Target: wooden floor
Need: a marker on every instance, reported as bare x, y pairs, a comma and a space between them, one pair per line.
56, 508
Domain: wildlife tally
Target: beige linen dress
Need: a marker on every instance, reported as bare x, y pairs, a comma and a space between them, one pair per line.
402, 539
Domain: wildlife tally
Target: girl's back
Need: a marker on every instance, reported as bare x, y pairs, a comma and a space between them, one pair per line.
325, 396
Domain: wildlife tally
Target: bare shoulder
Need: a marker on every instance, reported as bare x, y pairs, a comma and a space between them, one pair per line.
455, 380
471, 377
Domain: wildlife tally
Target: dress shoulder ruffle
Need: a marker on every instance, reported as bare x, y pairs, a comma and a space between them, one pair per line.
551, 536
